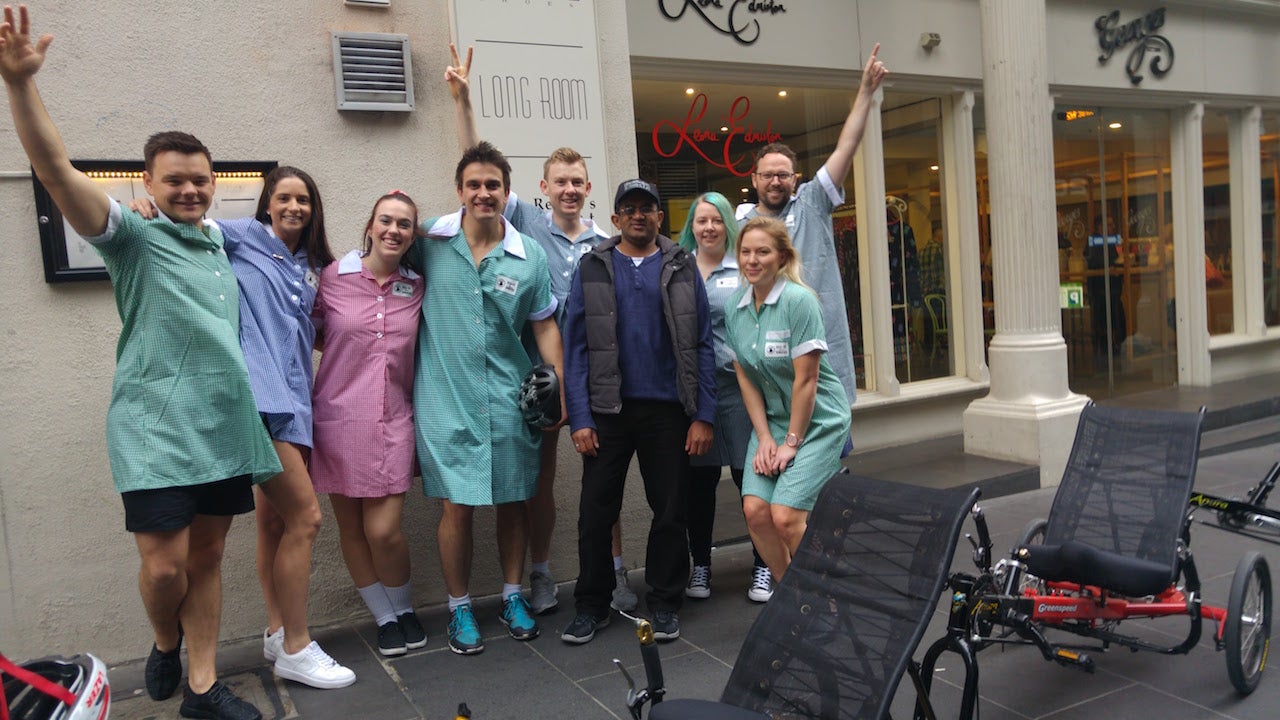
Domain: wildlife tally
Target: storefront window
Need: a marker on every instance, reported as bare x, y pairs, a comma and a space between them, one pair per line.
697, 137
1115, 252
1271, 218
1217, 223
919, 275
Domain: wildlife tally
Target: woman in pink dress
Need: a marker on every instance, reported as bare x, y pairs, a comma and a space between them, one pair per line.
367, 313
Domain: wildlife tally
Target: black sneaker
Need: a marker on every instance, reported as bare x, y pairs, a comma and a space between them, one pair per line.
163, 673
583, 628
391, 639
218, 703
415, 636
666, 625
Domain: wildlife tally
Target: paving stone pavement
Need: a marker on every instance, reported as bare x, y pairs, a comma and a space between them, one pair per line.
547, 678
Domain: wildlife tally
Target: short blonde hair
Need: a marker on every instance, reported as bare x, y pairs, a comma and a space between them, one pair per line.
565, 155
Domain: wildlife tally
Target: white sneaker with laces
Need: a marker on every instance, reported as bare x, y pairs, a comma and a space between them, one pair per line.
761, 585
273, 644
313, 666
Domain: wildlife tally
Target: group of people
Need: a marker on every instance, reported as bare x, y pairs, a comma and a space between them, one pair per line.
691, 355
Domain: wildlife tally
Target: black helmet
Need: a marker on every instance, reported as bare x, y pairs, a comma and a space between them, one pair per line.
56, 688
540, 397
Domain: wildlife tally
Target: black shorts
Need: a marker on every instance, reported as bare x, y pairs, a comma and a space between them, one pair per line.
174, 508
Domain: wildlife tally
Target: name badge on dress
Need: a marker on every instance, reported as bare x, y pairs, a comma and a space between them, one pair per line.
791, 221
727, 282
777, 349
777, 334
312, 279
506, 285
402, 289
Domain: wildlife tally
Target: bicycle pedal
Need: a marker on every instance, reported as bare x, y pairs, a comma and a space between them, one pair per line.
1074, 659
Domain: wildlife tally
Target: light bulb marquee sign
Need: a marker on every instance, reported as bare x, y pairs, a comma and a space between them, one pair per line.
1142, 35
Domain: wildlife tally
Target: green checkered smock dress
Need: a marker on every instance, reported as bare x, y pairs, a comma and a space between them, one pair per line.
473, 444
182, 412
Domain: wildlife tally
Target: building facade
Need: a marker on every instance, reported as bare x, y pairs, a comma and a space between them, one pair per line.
1054, 200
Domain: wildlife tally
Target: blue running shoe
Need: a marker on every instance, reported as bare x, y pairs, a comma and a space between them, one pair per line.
464, 633
518, 617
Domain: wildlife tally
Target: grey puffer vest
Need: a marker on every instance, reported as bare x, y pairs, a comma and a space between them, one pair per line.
679, 308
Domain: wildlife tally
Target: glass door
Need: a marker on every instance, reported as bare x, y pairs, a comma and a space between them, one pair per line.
1115, 248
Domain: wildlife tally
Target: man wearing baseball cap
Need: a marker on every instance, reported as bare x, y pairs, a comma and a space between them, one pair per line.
639, 381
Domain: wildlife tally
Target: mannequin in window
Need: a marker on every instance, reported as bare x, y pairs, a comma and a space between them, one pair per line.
904, 281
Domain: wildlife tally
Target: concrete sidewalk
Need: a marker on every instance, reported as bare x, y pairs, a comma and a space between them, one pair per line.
546, 678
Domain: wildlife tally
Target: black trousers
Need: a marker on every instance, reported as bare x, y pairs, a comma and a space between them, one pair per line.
702, 511
655, 433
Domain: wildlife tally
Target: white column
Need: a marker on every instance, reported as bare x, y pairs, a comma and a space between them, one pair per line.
1186, 162
964, 256
873, 253
1030, 414
1246, 222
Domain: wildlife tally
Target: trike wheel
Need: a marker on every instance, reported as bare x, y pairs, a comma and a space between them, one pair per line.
1248, 629
1019, 579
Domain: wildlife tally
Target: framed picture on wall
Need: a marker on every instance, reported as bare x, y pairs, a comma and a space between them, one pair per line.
68, 258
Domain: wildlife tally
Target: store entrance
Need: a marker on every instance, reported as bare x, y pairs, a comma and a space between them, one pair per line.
1115, 248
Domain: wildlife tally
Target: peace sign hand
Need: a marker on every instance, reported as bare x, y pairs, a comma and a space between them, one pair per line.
457, 74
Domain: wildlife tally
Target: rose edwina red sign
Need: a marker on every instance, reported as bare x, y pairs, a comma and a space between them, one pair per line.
725, 145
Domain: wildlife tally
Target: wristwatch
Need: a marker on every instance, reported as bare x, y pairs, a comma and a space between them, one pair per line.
793, 440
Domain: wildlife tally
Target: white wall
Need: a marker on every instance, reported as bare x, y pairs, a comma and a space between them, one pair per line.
255, 82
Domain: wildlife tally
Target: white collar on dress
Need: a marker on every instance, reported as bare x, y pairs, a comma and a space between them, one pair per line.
352, 263
771, 299
447, 226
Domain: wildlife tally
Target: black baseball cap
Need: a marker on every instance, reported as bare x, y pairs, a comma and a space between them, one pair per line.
636, 186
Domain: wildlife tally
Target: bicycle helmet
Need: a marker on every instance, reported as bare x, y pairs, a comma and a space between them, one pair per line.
56, 688
540, 397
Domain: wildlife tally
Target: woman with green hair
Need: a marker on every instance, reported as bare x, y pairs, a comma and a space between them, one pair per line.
711, 234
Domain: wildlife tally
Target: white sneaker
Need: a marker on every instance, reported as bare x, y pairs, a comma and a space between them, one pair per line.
313, 666
273, 644
761, 585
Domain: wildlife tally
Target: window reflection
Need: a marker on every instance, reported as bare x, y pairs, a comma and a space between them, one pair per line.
1270, 218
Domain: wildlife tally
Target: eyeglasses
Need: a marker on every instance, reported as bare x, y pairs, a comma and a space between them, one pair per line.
629, 210
771, 176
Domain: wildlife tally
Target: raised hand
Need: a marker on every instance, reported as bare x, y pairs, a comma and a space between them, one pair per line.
873, 73
458, 74
19, 59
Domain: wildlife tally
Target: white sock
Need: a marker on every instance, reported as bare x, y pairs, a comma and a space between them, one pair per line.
457, 602
401, 599
543, 567
509, 589
617, 563
375, 598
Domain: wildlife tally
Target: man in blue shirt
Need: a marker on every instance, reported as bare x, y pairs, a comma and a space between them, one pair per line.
639, 380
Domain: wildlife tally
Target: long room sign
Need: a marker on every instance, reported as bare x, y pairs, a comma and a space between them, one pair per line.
535, 86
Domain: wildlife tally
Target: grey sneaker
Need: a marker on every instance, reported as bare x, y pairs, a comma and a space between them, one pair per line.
624, 598
542, 593
583, 628
699, 582
761, 585
666, 625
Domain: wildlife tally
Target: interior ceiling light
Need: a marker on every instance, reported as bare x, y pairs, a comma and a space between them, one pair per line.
1115, 125
688, 91
782, 93
933, 168
745, 190
724, 128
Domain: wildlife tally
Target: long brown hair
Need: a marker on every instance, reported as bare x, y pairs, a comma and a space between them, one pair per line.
366, 244
314, 239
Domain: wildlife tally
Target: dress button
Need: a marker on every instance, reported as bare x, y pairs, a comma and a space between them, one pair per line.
569, 258
478, 321
297, 284
209, 251
379, 334
222, 297
565, 273
476, 291
379, 298
379, 316
297, 267
217, 273
293, 298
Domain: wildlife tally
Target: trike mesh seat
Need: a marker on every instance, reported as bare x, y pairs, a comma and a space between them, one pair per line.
836, 637
1116, 518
